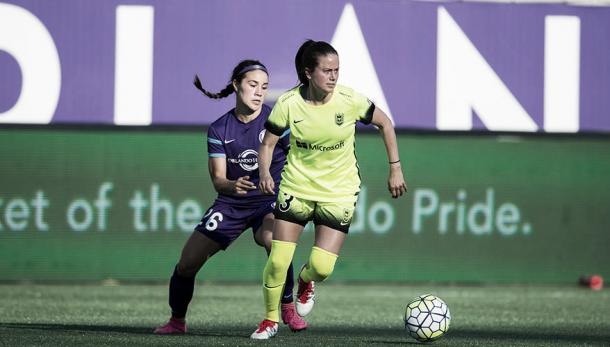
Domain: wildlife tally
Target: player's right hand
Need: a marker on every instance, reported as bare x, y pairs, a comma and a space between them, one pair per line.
243, 185
266, 184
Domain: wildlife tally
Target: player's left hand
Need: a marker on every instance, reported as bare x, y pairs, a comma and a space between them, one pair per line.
242, 185
266, 184
396, 182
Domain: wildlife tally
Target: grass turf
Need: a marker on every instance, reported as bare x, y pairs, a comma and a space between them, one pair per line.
345, 315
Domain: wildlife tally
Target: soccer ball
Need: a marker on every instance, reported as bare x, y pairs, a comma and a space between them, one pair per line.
427, 318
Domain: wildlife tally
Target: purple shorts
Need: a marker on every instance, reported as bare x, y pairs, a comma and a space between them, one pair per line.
224, 223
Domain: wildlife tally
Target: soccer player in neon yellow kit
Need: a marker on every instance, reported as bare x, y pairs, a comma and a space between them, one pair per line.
321, 179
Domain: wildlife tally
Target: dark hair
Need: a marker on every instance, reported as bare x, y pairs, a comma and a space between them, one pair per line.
238, 74
307, 57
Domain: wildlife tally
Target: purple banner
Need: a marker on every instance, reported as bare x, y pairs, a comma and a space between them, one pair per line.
445, 66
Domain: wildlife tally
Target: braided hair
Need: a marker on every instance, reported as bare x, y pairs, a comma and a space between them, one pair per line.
238, 74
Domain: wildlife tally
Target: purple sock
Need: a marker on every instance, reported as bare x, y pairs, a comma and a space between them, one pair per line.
180, 293
287, 294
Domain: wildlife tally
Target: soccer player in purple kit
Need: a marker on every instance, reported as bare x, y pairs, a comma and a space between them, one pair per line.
233, 140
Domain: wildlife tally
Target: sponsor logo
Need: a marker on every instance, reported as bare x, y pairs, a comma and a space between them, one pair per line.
247, 160
297, 121
261, 135
303, 145
228, 141
321, 148
346, 217
339, 117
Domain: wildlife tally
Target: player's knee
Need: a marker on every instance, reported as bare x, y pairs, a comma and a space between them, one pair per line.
275, 270
278, 263
263, 240
321, 263
188, 267
321, 270
185, 272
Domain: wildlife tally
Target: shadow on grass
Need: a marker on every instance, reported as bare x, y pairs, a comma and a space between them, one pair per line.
329, 336
111, 329
335, 335
393, 335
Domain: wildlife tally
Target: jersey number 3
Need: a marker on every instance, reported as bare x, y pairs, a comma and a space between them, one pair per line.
285, 206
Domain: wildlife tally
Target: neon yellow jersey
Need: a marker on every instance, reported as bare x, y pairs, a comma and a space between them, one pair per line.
321, 163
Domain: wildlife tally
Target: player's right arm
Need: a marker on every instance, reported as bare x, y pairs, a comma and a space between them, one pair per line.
218, 174
217, 165
276, 125
396, 182
265, 154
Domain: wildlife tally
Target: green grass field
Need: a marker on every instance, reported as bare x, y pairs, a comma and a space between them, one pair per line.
345, 315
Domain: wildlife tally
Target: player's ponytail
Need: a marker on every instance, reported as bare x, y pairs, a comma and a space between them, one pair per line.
307, 57
228, 90
238, 74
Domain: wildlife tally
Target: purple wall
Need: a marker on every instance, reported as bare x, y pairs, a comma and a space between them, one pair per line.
210, 37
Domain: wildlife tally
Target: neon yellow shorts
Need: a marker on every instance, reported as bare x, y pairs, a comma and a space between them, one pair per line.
336, 215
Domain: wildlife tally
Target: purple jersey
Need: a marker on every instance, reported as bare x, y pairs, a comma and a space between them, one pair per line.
238, 143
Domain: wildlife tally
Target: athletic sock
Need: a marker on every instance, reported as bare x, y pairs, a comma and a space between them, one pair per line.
274, 276
180, 293
288, 286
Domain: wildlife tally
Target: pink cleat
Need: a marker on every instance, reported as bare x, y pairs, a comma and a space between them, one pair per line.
305, 296
173, 327
290, 317
266, 330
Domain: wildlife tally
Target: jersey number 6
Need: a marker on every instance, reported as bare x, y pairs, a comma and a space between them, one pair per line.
213, 221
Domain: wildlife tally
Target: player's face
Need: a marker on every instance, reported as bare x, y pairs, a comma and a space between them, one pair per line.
324, 77
253, 89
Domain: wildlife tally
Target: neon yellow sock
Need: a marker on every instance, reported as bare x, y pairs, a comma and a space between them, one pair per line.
274, 276
321, 265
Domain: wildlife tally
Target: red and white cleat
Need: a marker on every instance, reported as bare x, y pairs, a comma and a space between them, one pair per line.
305, 296
173, 327
266, 330
290, 317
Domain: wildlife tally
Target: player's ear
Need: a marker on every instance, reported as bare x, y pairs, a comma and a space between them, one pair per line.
234, 85
307, 73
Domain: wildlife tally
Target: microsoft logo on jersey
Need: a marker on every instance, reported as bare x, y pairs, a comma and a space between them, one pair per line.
320, 148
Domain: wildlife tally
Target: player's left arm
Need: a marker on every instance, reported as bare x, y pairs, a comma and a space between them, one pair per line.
223, 185
265, 155
396, 182
276, 127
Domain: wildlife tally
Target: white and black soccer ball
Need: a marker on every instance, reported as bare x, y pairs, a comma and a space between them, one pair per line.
427, 318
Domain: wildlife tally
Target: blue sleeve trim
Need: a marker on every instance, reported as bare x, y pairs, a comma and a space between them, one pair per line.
214, 141
217, 155
285, 133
